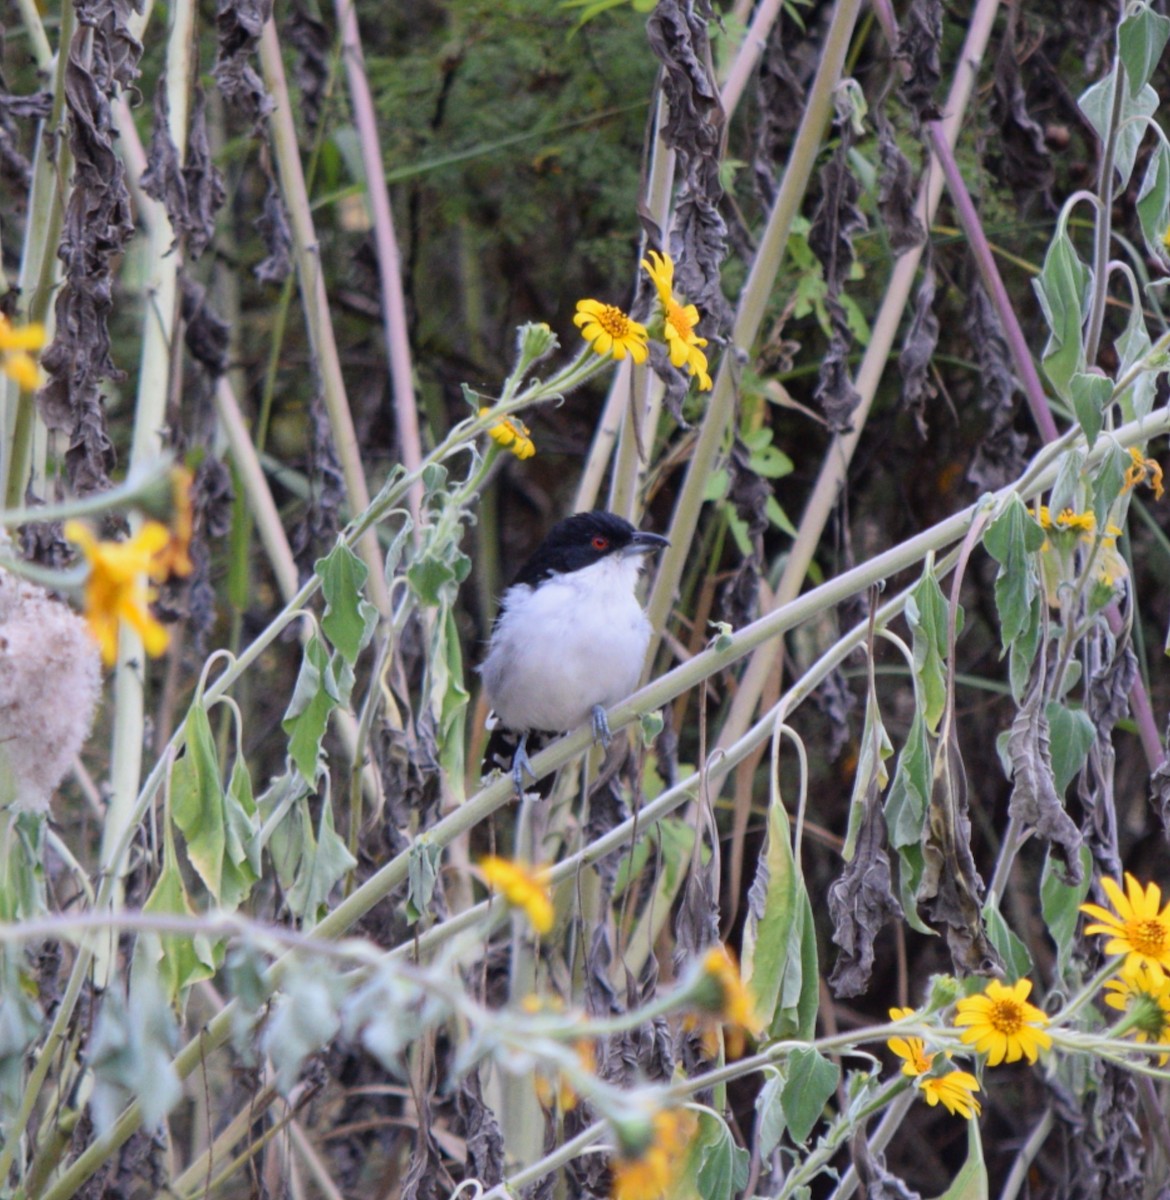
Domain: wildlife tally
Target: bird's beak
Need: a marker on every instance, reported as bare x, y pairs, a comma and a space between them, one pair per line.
645, 543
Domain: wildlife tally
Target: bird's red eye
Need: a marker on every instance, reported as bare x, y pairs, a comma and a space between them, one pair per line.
600, 543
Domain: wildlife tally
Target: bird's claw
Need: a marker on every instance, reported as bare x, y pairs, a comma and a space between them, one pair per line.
521, 764
601, 731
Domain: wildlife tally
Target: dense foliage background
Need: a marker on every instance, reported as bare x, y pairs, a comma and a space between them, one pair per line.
192, 205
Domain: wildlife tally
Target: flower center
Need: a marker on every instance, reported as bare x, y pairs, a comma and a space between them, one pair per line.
1006, 1017
1147, 937
677, 317
613, 321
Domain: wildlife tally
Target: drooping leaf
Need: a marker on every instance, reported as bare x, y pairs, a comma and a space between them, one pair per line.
810, 1079
927, 615
1062, 288
324, 861
1097, 103
1016, 959
1141, 38
314, 697
1035, 800
721, 1167
349, 619
1011, 539
1090, 394
1060, 902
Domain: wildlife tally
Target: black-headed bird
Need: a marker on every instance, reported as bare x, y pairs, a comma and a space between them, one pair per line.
571, 635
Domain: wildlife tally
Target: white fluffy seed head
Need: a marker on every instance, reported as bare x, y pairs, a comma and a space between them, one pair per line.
50, 678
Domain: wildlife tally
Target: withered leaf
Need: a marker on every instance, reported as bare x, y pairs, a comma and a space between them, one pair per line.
918, 52
1000, 455
917, 351
480, 1131
896, 190
674, 380
274, 229
1107, 1144
203, 179
1112, 672
781, 102
1034, 798
1027, 165
239, 24
206, 334
830, 237
102, 57
951, 889
835, 392
862, 900
694, 129
311, 40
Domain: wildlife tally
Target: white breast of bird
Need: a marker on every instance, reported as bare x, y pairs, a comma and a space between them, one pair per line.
575, 641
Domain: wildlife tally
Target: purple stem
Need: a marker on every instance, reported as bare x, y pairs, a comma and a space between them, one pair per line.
993, 283
1143, 713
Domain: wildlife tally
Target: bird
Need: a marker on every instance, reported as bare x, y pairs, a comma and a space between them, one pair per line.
571, 635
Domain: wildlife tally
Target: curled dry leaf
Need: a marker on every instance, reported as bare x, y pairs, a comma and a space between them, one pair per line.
1034, 798
862, 900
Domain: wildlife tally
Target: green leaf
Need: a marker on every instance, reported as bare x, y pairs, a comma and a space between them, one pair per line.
871, 773
1140, 41
1108, 482
1060, 904
349, 618
776, 936
1070, 733
242, 848
1023, 652
1090, 395
971, 1183
1132, 347
130, 1054
1062, 288
197, 800
722, 1166
304, 1018
314, 697
1011, 539
770, 1120
21, 1021
910, 792
810, 1080
1017, 961
1096, 103
422, 874
926, 614
325, 859
1066, 488
1153, 203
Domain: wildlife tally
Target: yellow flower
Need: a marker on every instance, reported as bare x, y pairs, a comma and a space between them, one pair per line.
912, 1049
728, 998
175, 557
1143, 992
116, 589
1140, 929
679, 321
611, 331
1143, 470
650, 1171
523, 886
1067, 519
512, 433
1002, 1024
15, 345
956, 1090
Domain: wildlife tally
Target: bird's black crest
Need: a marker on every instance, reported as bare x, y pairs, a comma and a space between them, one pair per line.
577, 542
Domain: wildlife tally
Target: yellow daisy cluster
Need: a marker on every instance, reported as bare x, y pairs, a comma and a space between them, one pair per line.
1000, 1023
523, 886
650, 1172
1143, 470
16, 346
512, 433
612, 332
954, 1090
1067, 519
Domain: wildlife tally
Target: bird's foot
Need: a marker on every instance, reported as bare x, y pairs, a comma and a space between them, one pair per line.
521, 765
601, 731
